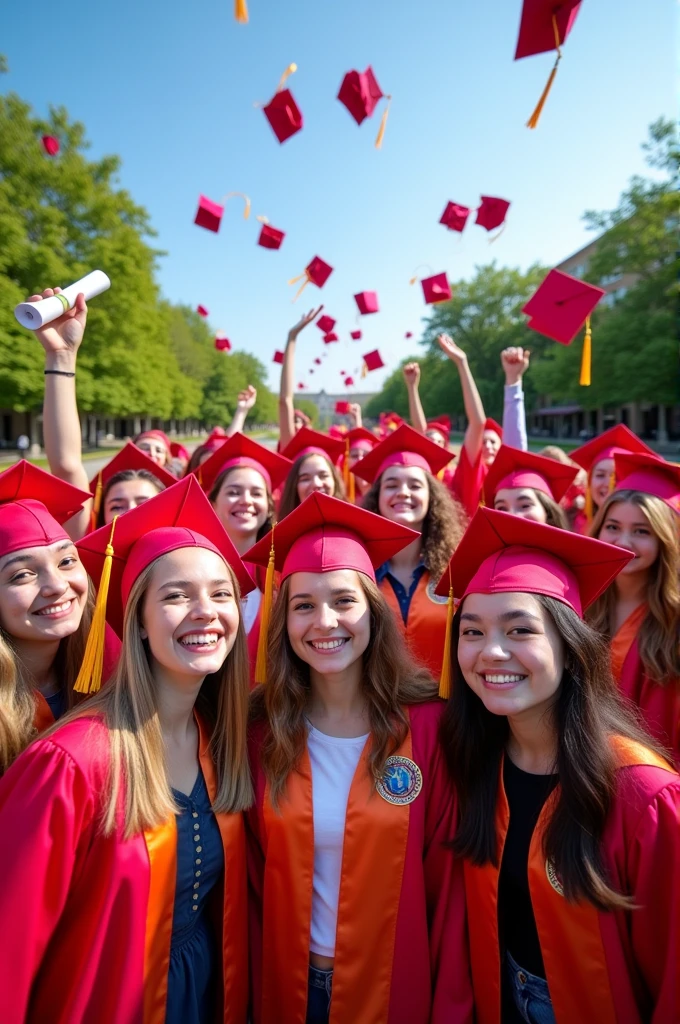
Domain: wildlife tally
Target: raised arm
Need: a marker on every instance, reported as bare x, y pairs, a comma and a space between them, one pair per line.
355, 415
61, 424
474, 410
415, 408
286, 410
244, 403
515, 362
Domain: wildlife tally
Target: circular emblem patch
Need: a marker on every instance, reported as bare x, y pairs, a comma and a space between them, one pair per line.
553, 877
401, 782
429, 590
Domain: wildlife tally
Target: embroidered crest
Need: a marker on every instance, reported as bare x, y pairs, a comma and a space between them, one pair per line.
402, 780
553, 877
435, 598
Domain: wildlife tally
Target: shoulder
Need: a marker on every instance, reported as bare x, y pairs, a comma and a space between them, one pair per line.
639, 785
84, 741
424, 720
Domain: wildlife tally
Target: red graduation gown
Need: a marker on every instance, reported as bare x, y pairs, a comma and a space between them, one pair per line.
602, 968
401, 947
468, 481
87, 920
425, 629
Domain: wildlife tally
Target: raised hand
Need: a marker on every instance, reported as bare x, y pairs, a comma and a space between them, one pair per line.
449, 347
304, 321
246, 399
64, 335
412, 374
355, 414
515, 363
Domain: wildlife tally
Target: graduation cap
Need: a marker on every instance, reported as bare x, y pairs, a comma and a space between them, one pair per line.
355, 335
436, 288
618, 440
209, 214
544, 26
278, 356
50, 144
559, 309
33, 506
312, 442
373, 361
513, 468
222, 343
202, 310
330, 337
367, 302
178, 451
650, 474
240, 450
404, 447
441, 425
316, 272
409, 334
349, 382
491, 212
317, 362
342, 408
301, 386
129, 457
325, 324
455, 216
491, 424
270, 238
282, 111
360, 93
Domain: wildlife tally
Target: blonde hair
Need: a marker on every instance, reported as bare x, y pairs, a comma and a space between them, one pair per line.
17, 689
390, 680
128, 706
659, 635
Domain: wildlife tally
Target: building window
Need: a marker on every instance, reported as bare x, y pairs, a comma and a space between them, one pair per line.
610, 279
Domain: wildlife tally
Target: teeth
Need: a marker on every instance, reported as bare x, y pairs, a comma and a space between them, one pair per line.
199, 639
54, 608
490, 678
327, 645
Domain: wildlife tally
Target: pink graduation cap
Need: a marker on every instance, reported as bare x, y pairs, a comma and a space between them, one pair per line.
222, 343
278, 356
373, 360
561, 305
316, 272
349, 382
367, 302
455, 216
325, 324
436, 288
50, 144
355, 335
202, 310
360, 93
282, 111
491, 212
544, 26
209, 213
330, 337
342, 408
270, 238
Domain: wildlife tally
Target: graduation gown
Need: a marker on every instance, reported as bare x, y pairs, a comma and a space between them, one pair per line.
87, 919
467, 482
425, 629
44, 718
401, 947
618, 967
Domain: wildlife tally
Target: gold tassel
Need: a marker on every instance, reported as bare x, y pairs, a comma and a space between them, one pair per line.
345, 467
352, 488
90, 675
445, 677
533, 120
246, 200
294, 280
267, 602
586, 357
290, 70
497, 235
96, 502
589, 502
383, 124
241, 11
199, 476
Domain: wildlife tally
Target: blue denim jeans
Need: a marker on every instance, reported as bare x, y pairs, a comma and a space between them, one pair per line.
529, 994
319, 989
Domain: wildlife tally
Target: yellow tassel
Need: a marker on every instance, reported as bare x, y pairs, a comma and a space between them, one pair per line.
290, 70
589, 502
584, 379
445, 677
352, 488
267, 601
199, 476
383, 123
294, 280
263, 220
345, 467
90, 675
241, 11
364, 370
96, 502
612, 481
246, 200
533, 120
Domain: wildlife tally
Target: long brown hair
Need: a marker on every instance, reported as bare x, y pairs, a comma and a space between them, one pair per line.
269, 521
587, 713
390, 680
17, 690
443, 526
123, 477
289, 497
659, 635
128, 706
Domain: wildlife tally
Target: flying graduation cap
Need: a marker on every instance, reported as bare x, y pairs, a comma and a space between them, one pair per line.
278, 356
325, 324
360, 93
455, 216
436, 288
316, 272
270, 238
202, 310
367, 302
372, 361
222, 343
330, 337
209, 213
355, 335
282, 112
544, 26
492, 212
50, 144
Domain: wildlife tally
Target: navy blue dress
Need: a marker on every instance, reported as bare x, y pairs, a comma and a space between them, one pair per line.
195, 959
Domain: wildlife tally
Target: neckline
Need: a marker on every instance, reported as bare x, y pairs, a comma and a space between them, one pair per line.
339, 740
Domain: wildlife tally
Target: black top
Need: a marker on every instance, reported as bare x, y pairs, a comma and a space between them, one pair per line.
526, 795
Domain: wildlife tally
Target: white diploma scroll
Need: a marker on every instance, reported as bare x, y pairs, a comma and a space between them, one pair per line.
35, 315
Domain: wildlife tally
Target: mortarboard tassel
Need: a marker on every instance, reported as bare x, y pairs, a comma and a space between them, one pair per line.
246, 199
305, 278
533, 120
267, 602
383, 124
348, 476
589, 503
96, 502
90, 675
241, 11
290, 70
586, 357
445, 677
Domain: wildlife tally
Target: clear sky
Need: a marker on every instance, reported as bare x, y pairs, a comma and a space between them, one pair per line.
171, 88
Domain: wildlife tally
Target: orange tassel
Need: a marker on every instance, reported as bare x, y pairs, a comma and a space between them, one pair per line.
244, 197
241, 11
352, 489
383, 124
267, 603
90, 675
445, 677
294, 280
533, 120
586, 357
96, 502
589, 502
290, 70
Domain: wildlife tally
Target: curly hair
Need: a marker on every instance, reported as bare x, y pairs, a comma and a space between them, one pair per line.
390, 681
290, 499
443, 526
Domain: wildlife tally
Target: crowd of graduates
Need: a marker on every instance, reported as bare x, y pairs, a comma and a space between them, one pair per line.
355, 731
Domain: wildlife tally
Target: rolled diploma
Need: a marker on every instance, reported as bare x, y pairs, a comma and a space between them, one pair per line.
35, 315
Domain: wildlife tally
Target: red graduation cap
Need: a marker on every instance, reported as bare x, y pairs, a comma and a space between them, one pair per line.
313, 442
618, 440
501, 554
201, 310
409, 334
491, 212
33, 505
129, 457
217, 434
343, 372
367, 302
513, 468
373, 360
355, 335
442, 425
222, 343
301, 386
316, 272
178, 451
404, 447
328, 338
650, 474
349, 382
239, 450
282, 111
278, 356
209, 214
491, 424
359, 437
270, 238
360, 93
50, 144
436, 288
342, 408
337, 431
317, 362
455, 216
561, 305
325, 324
544, 26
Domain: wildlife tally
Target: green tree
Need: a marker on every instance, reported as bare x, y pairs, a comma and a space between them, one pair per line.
308, 407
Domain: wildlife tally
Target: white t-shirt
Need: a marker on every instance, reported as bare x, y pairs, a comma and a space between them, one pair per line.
250, 606
334, 761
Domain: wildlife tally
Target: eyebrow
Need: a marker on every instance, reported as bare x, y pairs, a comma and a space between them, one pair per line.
640, 522
505, 617
188, 583
30, 558
335, 593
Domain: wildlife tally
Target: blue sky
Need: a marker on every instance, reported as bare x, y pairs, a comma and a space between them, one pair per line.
171, 88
